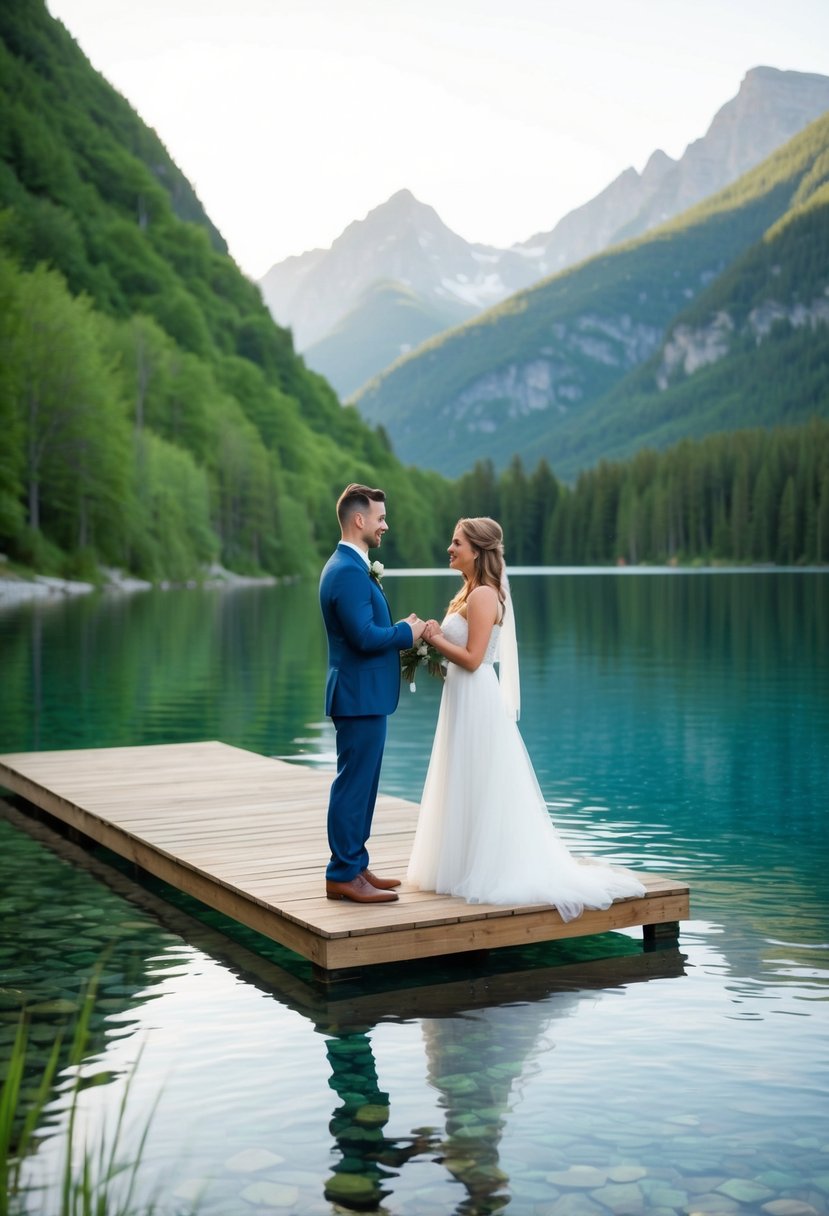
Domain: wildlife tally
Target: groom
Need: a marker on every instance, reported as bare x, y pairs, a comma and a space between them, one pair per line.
362, 689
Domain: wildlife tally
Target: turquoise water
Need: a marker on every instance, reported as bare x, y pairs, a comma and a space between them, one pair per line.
679, 723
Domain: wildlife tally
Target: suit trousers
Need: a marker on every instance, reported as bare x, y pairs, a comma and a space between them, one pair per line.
360, 743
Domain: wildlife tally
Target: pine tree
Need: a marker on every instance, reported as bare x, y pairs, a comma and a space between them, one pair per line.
787, 526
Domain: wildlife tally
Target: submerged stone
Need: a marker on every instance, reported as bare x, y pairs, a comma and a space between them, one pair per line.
779, 1180
665, 1196
354, 1188
366, 1135
623, 1198
582, 1177
372, 1115
712, 1205
702, 1184
626, 1173
745, 1190
459, 1165
192, 1190
48, 1008
570, 1205
11, 998
250, 1160
457, 1083
789, 1207
271, 1194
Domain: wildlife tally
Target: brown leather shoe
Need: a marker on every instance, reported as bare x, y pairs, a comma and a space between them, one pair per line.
382, 884
359, 890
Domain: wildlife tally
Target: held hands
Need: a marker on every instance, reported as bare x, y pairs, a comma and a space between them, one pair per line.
417, 626
428, 630
431, 630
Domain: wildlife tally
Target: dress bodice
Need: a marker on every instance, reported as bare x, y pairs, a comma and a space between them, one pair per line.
456, 628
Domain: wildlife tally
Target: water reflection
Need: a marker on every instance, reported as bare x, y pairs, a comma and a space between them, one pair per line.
478, 1042
677, 722
247, 665
244, 666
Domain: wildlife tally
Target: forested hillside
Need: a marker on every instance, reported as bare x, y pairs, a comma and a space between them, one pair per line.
153, 415
750, 496
593, 362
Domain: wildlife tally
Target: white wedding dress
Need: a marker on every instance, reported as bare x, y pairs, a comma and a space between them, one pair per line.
484, 832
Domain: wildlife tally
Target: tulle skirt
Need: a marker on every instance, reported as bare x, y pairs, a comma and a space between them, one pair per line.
484, 832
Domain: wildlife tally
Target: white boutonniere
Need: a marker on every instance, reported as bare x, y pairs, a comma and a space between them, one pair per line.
376, 570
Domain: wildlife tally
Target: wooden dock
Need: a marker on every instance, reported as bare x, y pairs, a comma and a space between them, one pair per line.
245, 834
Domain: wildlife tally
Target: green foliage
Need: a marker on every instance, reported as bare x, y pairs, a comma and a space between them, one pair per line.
154, 416
73, 432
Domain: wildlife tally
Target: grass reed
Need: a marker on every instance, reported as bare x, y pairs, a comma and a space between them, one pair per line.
96, 1180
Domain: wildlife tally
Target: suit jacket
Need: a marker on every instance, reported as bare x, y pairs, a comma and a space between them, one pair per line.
363, 643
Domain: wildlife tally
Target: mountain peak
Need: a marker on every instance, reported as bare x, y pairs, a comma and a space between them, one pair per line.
399, 212
763, 73
402, 198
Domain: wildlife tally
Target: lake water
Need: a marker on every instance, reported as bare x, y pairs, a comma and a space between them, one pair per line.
678, 722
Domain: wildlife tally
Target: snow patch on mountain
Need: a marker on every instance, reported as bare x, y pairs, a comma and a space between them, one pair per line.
483, 291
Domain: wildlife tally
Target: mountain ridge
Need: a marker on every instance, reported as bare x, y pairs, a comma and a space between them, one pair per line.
535, 369
405, 241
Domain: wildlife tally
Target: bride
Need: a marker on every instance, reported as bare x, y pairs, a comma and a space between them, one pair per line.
484, 831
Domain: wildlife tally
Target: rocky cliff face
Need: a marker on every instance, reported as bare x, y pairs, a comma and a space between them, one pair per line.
555, 380
688, 349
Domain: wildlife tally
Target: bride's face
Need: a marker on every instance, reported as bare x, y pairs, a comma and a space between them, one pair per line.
461, 554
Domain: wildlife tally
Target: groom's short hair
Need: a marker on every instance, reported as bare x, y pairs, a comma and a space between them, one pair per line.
356, 498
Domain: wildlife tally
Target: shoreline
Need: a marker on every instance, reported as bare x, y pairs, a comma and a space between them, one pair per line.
20, 589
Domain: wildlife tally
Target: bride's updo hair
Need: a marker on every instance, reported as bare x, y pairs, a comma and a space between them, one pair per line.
486, 537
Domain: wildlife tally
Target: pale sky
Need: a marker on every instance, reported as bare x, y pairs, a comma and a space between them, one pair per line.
294, 117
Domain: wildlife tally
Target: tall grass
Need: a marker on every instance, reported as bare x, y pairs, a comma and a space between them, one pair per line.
97, 1180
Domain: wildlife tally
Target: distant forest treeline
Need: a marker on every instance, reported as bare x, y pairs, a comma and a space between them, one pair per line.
744, 496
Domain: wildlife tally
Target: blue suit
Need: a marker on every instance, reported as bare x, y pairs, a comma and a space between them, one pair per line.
362, 688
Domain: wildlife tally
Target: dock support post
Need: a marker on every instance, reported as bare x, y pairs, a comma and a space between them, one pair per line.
666, 933
326, 977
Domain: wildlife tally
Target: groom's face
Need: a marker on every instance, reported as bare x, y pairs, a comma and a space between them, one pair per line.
374, 524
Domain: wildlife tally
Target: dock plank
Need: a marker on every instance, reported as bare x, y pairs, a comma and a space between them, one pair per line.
245, 834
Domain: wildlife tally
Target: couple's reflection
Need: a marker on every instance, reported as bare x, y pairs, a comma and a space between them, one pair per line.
482, 1041
475, 1061
368, 1158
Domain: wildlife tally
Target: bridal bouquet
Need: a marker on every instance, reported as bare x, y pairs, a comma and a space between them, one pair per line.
421, 655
